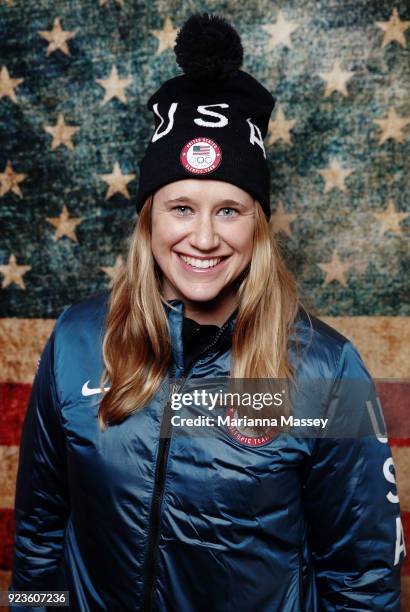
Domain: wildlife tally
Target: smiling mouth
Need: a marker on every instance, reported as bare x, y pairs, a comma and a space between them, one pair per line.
201, 263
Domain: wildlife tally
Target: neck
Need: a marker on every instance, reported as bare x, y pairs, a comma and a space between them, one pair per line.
208, 313
211, 312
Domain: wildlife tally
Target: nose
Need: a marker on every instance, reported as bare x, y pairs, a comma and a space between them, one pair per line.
204, 235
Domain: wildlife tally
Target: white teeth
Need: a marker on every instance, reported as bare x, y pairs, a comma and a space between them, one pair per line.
200, 263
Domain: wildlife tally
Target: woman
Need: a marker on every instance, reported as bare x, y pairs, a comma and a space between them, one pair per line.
112, 504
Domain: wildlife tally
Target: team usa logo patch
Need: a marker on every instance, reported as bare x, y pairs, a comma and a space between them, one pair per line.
201, 155
245, 435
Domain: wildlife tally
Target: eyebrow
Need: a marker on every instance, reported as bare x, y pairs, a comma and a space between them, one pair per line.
223, 202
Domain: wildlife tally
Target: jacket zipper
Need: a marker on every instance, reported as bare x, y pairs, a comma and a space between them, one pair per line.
160, 472
157, 496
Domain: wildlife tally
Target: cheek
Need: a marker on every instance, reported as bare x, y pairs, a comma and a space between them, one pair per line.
242, 241
164, 236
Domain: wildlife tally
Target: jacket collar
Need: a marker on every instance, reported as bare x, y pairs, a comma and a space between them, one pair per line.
175, 316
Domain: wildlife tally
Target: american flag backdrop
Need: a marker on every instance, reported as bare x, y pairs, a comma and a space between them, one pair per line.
75, 76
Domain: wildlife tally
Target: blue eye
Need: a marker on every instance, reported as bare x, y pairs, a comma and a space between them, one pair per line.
229, 209
181, 210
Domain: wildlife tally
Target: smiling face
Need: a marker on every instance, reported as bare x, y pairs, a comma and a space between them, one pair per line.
202, 239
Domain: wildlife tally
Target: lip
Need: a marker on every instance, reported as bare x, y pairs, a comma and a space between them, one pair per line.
202, 257
212, 270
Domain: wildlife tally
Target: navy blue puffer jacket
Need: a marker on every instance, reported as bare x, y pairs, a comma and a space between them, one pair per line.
129, 520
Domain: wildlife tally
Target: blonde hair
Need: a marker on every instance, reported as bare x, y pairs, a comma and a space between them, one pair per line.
137, 348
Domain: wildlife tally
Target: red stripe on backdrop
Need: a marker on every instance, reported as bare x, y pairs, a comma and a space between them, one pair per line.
13, 403
6, 538
399, 441
395, 400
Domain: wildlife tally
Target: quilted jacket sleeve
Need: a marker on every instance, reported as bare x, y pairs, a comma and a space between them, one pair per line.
41, 502
352, 507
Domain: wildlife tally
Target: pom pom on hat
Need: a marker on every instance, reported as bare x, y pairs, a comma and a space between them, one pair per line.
208, 48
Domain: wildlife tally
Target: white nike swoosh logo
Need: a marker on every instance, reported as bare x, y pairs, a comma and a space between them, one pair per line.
87, 391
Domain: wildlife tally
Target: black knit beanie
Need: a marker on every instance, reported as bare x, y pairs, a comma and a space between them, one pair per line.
210, 122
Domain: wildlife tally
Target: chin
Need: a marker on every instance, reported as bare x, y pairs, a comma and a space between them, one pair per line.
199, 296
